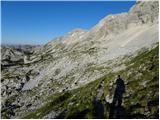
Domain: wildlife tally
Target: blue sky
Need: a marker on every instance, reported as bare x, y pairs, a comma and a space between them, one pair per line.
39, 22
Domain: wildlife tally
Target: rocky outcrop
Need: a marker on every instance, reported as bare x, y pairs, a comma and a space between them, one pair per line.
77, 58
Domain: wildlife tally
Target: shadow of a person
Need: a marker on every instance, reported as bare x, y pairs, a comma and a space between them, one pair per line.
120, 89
99, 109
118, 95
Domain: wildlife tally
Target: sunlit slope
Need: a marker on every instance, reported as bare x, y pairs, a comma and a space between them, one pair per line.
140, 100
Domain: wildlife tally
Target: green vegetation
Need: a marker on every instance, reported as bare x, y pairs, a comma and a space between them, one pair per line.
90, 51
141, 78
53, 102
6, 112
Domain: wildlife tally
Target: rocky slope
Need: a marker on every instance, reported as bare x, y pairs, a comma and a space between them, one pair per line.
61, 78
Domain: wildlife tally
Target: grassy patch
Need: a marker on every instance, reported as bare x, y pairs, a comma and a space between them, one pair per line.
78, 103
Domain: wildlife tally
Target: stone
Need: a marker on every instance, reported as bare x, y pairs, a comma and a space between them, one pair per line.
109, 99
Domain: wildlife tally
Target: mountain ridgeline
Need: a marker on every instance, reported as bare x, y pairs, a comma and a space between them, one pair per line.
73, 75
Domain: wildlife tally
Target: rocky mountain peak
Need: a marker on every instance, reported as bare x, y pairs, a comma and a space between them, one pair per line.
77, 31
71, 75
144, 12
141, 13
74, 34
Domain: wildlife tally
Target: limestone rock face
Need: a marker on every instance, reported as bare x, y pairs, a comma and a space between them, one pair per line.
31, 74
141, 13
145, 12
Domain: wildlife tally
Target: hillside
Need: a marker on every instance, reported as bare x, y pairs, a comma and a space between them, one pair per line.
141, 99
72, 76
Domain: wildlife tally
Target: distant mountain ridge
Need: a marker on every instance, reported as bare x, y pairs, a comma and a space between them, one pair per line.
41, 81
